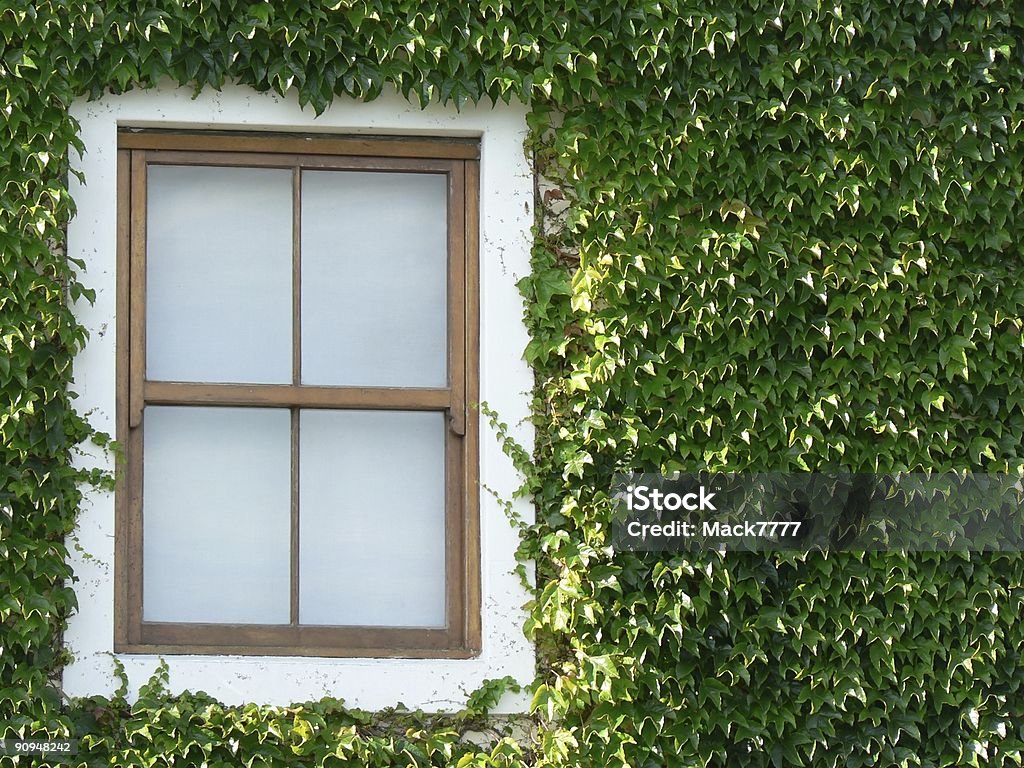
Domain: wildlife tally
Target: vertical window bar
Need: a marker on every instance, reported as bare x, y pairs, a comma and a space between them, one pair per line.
296, 380
455, 440
296, 276
457, 298
470, 457
136, 377
137, 331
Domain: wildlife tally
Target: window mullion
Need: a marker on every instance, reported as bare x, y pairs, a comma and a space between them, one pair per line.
296, 276
294, 545
296, 382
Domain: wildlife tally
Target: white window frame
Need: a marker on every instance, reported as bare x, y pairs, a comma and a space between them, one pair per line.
506, 203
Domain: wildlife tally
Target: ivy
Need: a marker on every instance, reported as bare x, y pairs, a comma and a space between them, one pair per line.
776, 236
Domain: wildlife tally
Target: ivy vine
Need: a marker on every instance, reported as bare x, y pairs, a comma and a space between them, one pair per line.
782, 235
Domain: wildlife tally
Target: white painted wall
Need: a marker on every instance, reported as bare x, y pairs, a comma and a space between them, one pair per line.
505, 381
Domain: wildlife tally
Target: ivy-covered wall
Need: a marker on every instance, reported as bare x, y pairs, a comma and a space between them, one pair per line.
792, 242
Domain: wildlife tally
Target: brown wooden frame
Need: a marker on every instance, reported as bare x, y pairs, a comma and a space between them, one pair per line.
459, 160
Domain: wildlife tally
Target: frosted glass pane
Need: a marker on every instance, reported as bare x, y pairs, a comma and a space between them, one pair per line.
371, 524
374, 279
216, 515
218, 274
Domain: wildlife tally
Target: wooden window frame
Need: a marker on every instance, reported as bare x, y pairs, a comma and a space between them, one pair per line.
458, 159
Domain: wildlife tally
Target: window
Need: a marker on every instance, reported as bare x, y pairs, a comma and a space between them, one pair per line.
297, 350
97, 637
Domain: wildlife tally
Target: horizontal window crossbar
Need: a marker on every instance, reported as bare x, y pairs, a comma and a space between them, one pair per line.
305, 162
405, 147
301, 640
289, 395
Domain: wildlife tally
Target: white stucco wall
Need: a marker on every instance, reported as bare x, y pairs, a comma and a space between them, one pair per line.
506, 216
